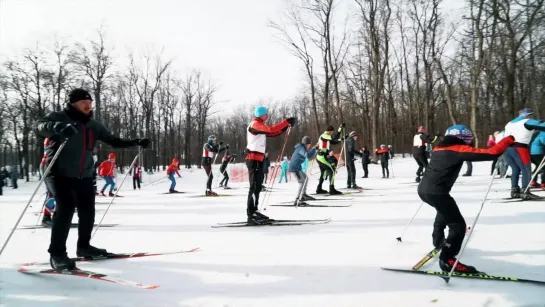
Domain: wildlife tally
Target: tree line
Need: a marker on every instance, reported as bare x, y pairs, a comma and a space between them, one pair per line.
384, 67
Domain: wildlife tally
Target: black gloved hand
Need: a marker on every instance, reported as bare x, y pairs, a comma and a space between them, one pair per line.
292, 121
66, 130
221, 143
144, 143
227, 147
437, 133
343, 125
317, 147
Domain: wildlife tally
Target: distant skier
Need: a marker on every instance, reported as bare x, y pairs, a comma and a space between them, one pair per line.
501, 165
136, 172
365, 161
420, 142
445, 165
302, 152
384, 156
209, 152
71, 179
49, 203
518, 155
95, 170
326, 169
391, 151
227, 158
266, 167
284, 166
537, 152
351, 154
107, 171
171, 170
256, 135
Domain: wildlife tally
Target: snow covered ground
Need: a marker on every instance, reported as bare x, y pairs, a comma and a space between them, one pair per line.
335, 264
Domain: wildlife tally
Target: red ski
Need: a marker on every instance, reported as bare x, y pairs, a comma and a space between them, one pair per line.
88, 274
118, 256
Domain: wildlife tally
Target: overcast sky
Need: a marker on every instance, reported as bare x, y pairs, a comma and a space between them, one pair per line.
227, 39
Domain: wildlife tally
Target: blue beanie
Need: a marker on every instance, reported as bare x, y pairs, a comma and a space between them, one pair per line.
260, 111
461, 132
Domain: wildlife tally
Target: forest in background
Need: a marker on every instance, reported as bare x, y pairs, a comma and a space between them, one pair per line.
386, 68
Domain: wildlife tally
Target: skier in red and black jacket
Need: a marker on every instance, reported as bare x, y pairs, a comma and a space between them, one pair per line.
434, 189
256, 135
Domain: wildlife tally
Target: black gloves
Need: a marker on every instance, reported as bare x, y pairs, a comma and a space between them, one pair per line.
221, 143
292, 121
144, 143
227, 147
66, 130
343, 125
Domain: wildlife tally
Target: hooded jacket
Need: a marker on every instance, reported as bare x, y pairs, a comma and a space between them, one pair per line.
299, 156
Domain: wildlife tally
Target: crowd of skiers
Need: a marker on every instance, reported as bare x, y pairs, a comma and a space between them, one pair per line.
72, 134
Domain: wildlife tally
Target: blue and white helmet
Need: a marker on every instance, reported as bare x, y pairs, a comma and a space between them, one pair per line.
462, 132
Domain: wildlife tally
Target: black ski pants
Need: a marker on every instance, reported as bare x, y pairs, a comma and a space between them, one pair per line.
449, 215
70, 193
422, 162
255, 176
469, 170
208, 170
536, 160
351, 168
225, 176
365, 169
135, 183
385, 170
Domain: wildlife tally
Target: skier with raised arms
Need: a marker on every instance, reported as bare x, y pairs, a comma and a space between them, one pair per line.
434, 189
256, 135
326, 169
71, 176
227, 158
420, 141
209, 152
518, 154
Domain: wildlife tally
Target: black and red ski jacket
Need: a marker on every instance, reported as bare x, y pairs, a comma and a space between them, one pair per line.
447, 160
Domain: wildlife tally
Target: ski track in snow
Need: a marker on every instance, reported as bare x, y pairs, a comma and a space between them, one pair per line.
335, 264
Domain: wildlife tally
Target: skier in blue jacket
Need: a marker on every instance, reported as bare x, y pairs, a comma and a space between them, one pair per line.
301, 153
537, 152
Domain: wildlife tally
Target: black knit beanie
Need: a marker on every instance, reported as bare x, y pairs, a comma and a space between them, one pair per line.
79, 94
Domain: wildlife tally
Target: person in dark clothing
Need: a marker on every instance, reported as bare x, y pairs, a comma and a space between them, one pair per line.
227, 158
266, 167
256, 136
434, 189
350, 157
420, 141
14, 177
71, 177
365, 161
209, 152
136, 172
384, 156
1, 182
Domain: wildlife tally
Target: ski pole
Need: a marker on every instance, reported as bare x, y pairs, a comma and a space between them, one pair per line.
117, 191
539, 167
34, 193
409, 223
275, 171
447, 278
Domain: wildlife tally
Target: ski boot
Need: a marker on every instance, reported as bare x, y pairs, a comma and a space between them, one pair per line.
533, 184
47, 220
333, 191
90, 252
211, 193
299, 203
356, 187
258, 219
319, 190
102, 193
529, 196
306, 197
446, 266
515, 192
62, 263
111, 194
349, 186
173, 191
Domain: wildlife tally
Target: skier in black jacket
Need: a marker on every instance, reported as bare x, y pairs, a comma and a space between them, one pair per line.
350, 157
71, 177
209, 152
227, 158
443, 170
420, 140
365, 161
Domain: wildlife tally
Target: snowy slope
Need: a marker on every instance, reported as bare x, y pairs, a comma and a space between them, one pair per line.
335, 264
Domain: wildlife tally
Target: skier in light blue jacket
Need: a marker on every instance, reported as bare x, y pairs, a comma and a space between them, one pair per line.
537, 152
301, 153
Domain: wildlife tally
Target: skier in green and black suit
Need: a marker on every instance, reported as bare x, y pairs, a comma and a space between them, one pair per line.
326, 169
